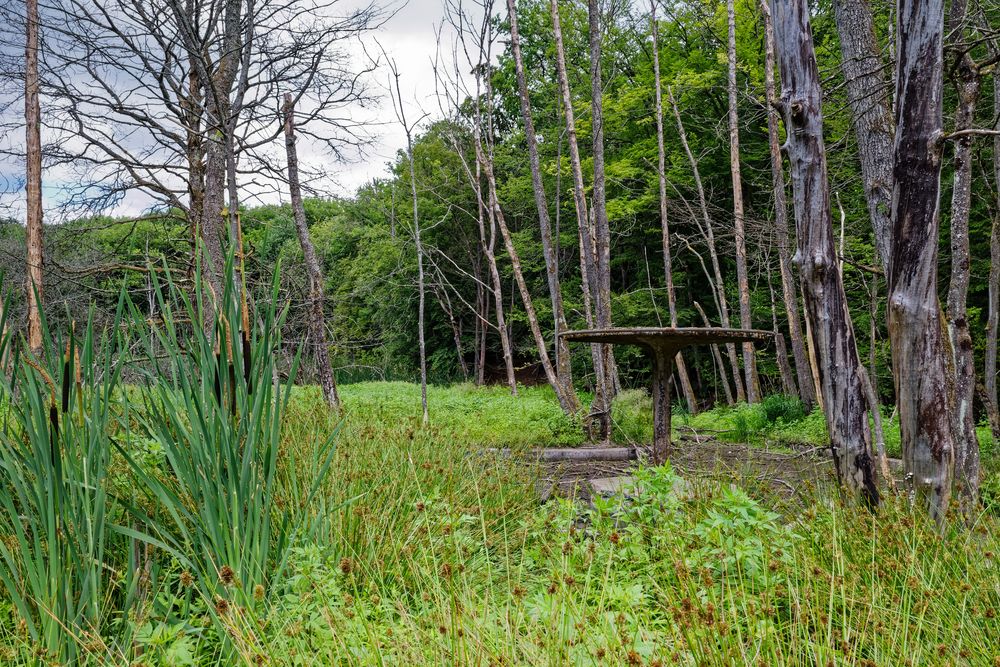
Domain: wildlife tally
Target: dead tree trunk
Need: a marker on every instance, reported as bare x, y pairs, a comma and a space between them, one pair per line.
567, 400
661, 171
867, 96
967, 83
317, 319
993, 309
780, 349
33, 185
421, 344
489, 249
825, 300
743, 285
218, 106
564, 367
707, 231
921, 354
602, 231
717, 355
806, 390
588, 268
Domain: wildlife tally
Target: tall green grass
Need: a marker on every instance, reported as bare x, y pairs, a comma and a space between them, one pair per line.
58, 543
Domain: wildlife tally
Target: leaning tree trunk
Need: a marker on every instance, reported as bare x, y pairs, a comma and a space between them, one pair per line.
921, 354
317, 318
867, 97
825, 300
968, 80
588, 266
602, 230
743, 285
661, 172
780, 349
33, 186
707, 231
567, 400
805, 386
564, 367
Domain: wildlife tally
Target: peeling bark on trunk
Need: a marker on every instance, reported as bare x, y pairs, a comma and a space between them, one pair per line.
743, 286
33, 185
805, 388
921, 354
317, 318
708, 232
682, 373
867, 95
564, 367
825, 299
967, 83
587, 265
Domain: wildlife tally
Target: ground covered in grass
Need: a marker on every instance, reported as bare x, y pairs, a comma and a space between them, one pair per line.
418, 548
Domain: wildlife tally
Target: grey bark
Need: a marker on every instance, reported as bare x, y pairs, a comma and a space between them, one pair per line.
805, 387
967, 82
742, 283
317, 319
921, 354
564, 367
867, 95
843, 395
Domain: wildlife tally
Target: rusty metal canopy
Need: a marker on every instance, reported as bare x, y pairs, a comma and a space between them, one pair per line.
667, 337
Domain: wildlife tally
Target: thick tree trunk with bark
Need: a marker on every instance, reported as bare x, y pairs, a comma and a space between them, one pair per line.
33, 184
707, 231
564, 367
967, 83
317, 318
825, 300
805, 387
218, 105
588, 267
921, 351
868, 97
742, 281
661, 172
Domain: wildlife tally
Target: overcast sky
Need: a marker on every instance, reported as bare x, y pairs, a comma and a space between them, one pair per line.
408, 37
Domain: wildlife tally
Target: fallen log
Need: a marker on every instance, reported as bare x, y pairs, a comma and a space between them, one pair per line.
574, 453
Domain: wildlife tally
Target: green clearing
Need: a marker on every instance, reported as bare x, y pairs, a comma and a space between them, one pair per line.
418, 553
